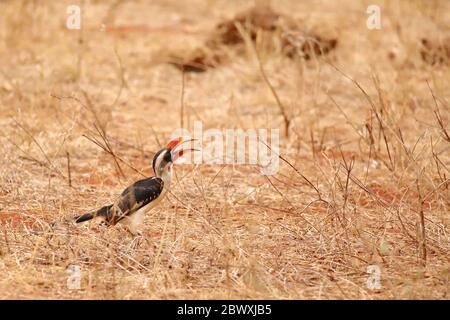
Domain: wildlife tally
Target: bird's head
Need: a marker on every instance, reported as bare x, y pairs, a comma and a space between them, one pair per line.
164, 158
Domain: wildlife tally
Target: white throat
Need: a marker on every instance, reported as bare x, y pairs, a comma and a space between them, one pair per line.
167, 177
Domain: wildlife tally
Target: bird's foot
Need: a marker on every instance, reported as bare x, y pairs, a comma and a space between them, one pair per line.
136, 241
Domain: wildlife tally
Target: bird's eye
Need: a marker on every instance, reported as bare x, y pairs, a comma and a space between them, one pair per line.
167, 157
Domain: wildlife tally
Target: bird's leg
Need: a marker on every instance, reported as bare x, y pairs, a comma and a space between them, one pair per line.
137, 238
133, 233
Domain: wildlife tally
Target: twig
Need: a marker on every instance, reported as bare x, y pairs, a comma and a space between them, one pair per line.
93, 140
40, 148
438, 115
374, 109
68, 169
98, 126
281, 106
80, 45
123, 83
183, 76
422, 242
296, 170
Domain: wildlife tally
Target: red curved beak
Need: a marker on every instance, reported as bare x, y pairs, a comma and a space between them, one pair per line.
174, 143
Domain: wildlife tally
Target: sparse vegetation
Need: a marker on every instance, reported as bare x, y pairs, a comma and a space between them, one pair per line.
364, 173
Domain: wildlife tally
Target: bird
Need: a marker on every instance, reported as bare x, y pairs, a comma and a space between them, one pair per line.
143, 195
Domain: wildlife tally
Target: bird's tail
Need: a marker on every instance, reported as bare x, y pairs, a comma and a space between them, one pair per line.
103, 212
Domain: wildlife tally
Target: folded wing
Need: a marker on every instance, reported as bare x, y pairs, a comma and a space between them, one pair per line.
135, 197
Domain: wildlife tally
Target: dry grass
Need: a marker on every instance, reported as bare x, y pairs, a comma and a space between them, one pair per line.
367, 181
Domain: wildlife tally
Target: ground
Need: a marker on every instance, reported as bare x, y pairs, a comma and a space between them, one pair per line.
364, 138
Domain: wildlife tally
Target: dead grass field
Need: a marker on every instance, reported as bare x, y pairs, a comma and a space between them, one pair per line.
368, 185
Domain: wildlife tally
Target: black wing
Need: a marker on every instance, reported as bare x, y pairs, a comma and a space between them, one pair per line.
136, 196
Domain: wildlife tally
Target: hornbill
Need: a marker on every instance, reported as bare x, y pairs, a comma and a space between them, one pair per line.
143, 195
